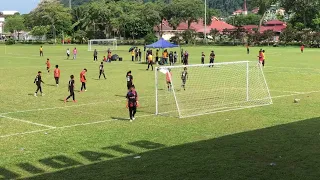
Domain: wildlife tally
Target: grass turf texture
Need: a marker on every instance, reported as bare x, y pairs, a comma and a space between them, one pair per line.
280, 141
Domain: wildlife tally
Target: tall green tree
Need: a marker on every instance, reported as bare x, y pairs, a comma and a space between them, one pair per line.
51, 13
14, 23
304, 10
263, 5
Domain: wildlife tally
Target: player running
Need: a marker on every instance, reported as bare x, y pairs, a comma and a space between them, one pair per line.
41, 51
184, 77
101, 71
48, 65
168, 79
38, 82
71, 89
129, 78
132, 102
83, 80
302, 48
56, 74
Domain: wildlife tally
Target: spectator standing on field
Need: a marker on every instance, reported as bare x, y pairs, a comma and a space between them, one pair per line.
175, 57
95, 55
136, 54
186, 58
75, 52
139, 52
41, 51
202, 57
212, 57
171, 58
132, 55
68, 53
157, 56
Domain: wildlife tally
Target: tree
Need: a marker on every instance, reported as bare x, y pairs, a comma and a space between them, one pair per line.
304, 10
213, 33
40, 31
288, 35
14, 23
80, 36
189, 10
51, 13
263, 7
241, 20
268, 35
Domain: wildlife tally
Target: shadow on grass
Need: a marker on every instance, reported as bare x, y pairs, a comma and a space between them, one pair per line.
120, 95
120, 118
51, 85
289, 151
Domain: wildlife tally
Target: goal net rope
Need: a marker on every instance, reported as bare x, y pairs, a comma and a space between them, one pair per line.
194, 90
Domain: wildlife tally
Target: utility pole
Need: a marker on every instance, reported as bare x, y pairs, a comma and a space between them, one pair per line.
70, 6
205, 21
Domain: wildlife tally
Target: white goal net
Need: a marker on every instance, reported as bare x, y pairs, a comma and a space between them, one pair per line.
209, 89
102, 44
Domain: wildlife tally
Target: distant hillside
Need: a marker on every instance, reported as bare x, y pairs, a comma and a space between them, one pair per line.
225, 6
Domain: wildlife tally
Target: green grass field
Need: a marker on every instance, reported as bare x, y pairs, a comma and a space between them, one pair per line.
44, 138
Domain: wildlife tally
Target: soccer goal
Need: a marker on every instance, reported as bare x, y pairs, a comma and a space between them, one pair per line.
210, 89
102, 44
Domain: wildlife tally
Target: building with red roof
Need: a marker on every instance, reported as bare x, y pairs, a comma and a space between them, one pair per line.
168, 32
216, 24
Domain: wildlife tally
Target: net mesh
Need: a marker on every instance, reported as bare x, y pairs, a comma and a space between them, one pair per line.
208, 89
102, 44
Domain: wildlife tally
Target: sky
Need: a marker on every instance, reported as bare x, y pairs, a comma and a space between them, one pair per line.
23, 6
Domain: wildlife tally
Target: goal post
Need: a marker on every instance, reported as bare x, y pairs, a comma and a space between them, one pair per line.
102, 44
210, 89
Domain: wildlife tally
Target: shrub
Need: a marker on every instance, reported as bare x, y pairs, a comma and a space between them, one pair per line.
10, 41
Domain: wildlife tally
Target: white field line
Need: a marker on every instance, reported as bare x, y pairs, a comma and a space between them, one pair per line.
110, 120
69, 126
281, 67
60, 107
29, 122
95, 103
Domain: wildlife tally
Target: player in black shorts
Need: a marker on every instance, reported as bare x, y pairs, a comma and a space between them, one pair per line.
101, 71
38, 82
132, 102
129, 78
71, 89
212, 57
184, 77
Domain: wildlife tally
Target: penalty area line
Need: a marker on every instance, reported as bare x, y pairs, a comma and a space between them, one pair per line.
29, 122
69, 126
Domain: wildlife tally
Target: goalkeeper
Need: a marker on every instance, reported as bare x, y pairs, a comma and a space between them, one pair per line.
184, 77
168, 79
